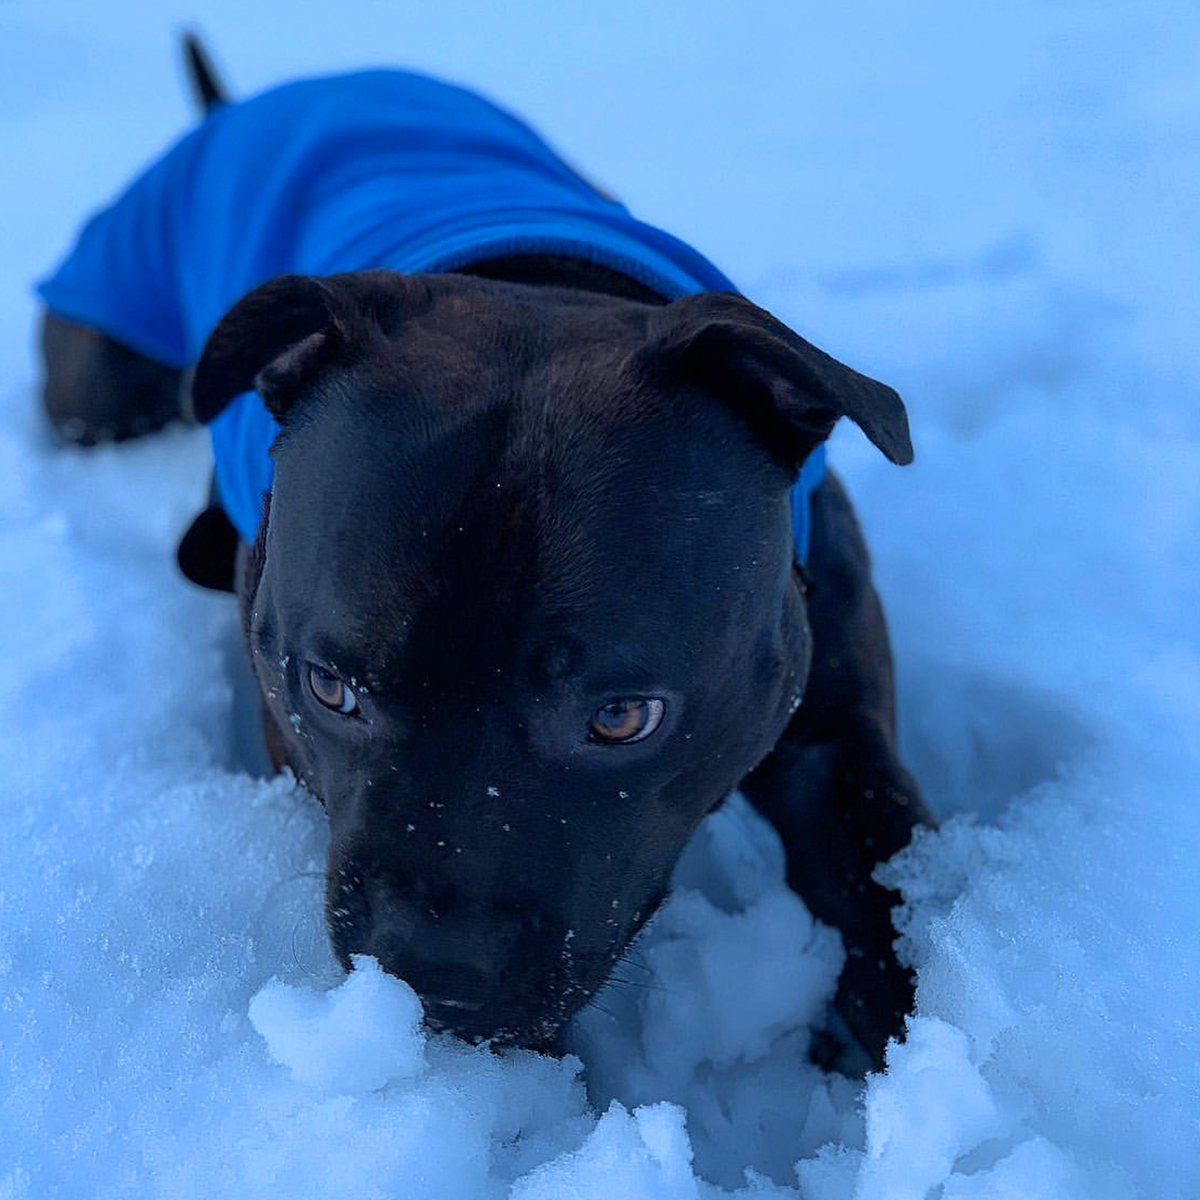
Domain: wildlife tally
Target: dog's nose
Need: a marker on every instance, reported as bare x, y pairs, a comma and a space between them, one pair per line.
411, 929
482, 969
462, 957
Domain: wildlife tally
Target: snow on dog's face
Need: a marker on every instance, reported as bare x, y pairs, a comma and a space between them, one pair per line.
523, 608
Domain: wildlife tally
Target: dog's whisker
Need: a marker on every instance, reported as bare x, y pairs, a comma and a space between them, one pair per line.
298, 876
600, 1006
635, 959
645, 985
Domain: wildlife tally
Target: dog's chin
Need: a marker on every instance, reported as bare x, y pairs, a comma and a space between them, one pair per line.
543, 1034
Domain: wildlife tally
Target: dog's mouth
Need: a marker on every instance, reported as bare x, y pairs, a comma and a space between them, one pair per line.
537, 1024
464, 1005
467, 1020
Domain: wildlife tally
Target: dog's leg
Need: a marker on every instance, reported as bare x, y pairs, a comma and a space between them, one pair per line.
834, 787
97, 390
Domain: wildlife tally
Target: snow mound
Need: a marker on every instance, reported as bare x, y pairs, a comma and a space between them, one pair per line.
751, 975
358, 1037
643, 1155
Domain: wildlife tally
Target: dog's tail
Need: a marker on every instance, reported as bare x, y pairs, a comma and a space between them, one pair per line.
203, 78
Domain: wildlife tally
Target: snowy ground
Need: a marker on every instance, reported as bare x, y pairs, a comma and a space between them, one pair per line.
994, 207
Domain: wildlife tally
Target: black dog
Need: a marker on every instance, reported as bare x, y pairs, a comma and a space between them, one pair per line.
524, 608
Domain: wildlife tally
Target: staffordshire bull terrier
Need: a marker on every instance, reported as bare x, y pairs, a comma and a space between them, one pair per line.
526, 510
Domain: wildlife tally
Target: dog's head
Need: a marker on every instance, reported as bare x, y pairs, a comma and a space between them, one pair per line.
523, 606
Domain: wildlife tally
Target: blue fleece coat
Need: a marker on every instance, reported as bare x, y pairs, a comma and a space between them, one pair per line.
376, 169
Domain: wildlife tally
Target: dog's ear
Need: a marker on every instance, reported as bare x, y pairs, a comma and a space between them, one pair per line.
790, 392
274, 339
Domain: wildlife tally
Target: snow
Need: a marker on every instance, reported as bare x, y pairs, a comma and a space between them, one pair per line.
991, 207
358, 1037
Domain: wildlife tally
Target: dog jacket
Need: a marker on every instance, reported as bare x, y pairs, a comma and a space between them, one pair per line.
376, 169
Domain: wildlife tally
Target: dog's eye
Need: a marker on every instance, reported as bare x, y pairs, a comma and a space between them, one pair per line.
626, 721
330, 690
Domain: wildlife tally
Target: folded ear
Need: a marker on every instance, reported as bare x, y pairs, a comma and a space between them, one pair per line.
790, 392
274, 339
277, 338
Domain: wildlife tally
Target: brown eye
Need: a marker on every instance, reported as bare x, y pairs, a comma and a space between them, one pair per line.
330, 690
625, 721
